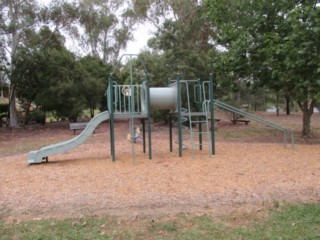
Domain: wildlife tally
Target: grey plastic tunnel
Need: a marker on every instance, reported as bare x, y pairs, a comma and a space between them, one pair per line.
163, 98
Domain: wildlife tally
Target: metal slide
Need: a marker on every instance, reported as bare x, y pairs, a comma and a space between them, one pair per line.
255, 118
38, 156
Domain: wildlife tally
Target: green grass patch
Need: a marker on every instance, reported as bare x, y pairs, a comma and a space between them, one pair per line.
299, 221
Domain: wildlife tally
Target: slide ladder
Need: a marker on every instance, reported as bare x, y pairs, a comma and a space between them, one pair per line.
255, 118
199, 119
45, 152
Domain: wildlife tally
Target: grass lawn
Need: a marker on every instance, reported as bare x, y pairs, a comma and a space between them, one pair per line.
299, 221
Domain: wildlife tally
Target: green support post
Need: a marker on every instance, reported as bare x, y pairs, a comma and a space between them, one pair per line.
200, 133
179, 115
170, 132
211, 96
285, 138
199, 105
131, 108
144, 134
111, 112
149, 118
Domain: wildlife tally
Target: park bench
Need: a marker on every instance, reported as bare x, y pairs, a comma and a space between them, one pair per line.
77, 126
234, 121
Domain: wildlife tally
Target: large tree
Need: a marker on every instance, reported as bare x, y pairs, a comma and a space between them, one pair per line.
275, 43
106, 28
183, 37
17, 17
49, 76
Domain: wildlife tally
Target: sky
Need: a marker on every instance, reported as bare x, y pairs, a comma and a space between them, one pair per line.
140, 38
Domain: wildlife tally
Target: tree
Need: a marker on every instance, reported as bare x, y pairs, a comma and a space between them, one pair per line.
95, 85
17, 20
49, 76
17, 17
183, 36
105, 32
275, 43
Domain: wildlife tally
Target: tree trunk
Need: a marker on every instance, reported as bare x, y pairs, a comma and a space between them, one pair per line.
27, 113
287, 104
306, 130
15, 39
12, 109
307, 110
277, 104
92, 112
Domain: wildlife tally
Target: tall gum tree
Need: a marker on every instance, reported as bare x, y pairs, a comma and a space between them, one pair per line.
106, 28
17, 17
182, 37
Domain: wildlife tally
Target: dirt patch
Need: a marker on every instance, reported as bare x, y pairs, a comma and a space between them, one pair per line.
86, 181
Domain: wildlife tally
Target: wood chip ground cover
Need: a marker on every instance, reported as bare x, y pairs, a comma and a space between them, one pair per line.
244, 173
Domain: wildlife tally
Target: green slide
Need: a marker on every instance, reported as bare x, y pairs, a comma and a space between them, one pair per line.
38, 156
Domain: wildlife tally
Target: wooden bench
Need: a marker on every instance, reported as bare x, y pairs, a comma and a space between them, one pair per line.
234, 121
77, 126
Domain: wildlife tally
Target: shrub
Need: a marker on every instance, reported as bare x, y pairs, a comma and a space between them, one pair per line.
37, 116
4, 107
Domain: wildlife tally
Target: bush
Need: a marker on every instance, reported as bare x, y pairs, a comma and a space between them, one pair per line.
4, 107
37, 116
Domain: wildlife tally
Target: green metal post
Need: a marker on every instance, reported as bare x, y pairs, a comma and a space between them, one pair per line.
170, 132
131, 108
179, 115
200, 134
149, 118
198, 92
211, 97
144, 134
111, 112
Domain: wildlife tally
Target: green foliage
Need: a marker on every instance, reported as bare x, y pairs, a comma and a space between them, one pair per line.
36, 116
272, 43
50, 76
182, 51
95, 84
299, 221
106, 33
4, 108
181, 44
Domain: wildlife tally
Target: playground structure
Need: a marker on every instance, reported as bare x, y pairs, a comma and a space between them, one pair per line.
189, 101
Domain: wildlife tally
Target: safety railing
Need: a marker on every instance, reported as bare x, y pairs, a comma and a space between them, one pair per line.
286, 132
257, 119
127, 99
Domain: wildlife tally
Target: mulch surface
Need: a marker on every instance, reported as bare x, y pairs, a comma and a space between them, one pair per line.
84, 181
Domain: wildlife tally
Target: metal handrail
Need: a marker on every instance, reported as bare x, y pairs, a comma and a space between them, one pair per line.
255, 118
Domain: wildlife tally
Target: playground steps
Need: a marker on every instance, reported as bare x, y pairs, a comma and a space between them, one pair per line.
202, 133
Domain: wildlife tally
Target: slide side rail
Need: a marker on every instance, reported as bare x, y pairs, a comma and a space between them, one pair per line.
257, 119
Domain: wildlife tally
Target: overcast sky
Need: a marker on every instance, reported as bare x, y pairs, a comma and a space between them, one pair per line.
141, 36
